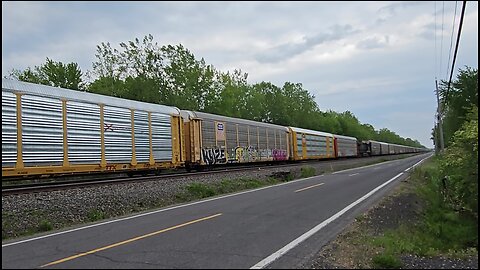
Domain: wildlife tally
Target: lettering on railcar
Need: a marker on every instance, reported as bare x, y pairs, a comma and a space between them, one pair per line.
213, 156
111, 167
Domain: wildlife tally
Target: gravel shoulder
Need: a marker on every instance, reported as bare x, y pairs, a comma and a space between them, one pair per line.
350, 249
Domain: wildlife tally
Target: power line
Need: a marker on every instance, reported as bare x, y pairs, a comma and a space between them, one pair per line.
456, 49
451, 39
441, 41
435, 38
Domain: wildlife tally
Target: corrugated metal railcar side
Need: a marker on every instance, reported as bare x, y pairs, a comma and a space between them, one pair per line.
345, 146
311, 144
391, 149
383, 148
50, 130
215, 139
375, 149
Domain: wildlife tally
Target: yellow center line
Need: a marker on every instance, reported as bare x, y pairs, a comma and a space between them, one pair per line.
130, 240
302, 189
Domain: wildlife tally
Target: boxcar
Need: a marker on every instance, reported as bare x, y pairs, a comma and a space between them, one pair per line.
311, 144
214, 139
345, 146
50, 130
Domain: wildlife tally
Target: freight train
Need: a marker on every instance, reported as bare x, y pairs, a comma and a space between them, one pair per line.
54, 131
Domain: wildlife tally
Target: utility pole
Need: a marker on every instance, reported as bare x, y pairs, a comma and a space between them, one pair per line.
439, 117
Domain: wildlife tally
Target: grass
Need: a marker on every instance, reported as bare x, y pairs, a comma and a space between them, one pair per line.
44, 226
386, 261
196, 191
94, 215
307, 172
442, 231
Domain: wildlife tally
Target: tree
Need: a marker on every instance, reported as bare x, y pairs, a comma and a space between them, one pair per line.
459, 167
461, 97
167, 75
52, 73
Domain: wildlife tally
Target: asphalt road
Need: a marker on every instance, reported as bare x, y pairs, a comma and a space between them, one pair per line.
278, 226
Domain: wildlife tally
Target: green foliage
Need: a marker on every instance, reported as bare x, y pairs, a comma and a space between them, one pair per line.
94, 215
446, 225
45, 225
53, 74
199, 190
462, 96
196, 191
386, 261
442, 230
459, 167
307, 172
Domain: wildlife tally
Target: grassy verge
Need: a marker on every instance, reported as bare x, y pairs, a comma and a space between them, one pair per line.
441, 230
196, 191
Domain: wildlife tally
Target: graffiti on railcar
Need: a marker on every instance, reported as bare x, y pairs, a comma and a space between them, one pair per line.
213, 156
279, 154
265, 154
246, 154
241, 154
251, 153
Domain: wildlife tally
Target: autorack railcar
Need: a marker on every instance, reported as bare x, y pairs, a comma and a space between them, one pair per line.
214, 139
311, 144
49, 130
345, 146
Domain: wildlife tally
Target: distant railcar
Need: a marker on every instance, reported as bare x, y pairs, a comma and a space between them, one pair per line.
345, 146
370, 148
383, 148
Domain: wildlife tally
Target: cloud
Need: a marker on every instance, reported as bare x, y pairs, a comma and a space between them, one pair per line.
287, 50
373, 43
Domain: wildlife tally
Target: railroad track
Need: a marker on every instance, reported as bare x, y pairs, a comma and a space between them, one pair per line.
59, 185
107, 179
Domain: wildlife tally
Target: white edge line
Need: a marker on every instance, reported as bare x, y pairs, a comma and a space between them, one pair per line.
315, 229
154, 212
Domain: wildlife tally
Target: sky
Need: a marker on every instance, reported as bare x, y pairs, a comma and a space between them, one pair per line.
378, 60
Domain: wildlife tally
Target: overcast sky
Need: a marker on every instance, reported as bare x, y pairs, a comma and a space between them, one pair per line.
378, 60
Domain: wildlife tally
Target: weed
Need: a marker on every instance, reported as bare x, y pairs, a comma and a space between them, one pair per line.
386, 261
307, 172
45, 225
95, 215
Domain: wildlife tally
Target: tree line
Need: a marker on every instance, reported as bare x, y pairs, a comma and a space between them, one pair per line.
171, 75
